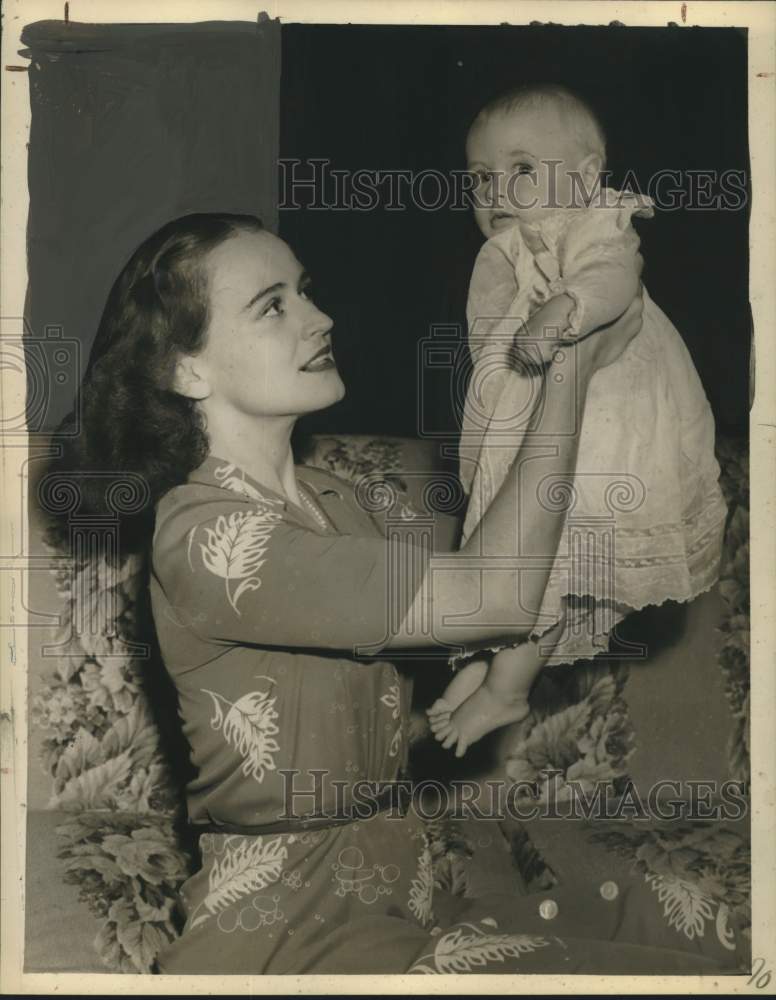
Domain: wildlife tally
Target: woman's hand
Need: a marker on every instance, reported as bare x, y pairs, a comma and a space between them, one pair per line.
538, 340
604, 346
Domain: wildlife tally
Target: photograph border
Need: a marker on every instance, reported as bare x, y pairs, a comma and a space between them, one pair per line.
760, 20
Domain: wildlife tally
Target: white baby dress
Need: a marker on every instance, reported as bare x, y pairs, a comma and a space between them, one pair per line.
646, 521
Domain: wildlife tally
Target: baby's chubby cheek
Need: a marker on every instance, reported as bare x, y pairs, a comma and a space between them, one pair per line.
482, 218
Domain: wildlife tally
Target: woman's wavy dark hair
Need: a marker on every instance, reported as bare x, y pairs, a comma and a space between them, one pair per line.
131, 437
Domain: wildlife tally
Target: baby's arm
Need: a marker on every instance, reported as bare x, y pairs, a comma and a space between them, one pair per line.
602, 284
600, 262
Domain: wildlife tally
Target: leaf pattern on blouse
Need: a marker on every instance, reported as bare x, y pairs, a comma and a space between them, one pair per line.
235, 549
468, 947
422, 889
392, 700
247, 866
686, 906
395, 746
225, 474
248, 724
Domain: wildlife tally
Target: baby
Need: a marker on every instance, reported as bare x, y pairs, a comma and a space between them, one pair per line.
646, 453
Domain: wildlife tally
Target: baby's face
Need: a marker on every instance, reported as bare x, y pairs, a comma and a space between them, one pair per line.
523, 161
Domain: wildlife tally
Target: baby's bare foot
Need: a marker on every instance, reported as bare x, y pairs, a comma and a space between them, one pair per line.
464, 683
481, 713
439, 719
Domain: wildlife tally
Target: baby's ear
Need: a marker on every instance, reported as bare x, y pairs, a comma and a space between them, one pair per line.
590, 168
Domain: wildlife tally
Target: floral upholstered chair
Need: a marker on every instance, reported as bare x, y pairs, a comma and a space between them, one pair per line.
114, 832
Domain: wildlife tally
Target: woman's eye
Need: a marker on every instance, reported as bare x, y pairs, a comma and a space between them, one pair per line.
524, 168
306, 293
273, 308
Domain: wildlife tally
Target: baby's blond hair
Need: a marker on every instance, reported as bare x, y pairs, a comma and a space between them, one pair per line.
581, 117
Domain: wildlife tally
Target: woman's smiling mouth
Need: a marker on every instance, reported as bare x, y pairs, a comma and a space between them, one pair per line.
320, 361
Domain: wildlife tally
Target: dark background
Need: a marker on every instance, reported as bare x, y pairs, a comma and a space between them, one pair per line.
133, 125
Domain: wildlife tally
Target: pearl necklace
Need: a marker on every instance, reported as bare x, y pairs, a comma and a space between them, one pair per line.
314, 511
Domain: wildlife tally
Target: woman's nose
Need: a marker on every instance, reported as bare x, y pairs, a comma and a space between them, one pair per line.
317, 322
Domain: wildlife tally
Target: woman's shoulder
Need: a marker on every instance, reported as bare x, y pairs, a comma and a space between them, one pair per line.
218, 482
347, 503
207, 495
374, 492
185, 495
184, 506
366, 505
324, 479
221, 490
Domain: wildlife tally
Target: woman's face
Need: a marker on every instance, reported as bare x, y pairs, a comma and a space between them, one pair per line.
267, 348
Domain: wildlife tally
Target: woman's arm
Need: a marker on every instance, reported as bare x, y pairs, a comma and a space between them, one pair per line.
236, 571
471, 596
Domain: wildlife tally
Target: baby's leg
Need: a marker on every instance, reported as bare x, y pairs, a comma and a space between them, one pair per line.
464, 683
502, 698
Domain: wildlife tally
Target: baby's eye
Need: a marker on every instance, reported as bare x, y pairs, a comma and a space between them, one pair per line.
274, 307
482, 176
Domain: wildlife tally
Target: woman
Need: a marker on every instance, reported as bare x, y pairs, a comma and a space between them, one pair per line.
265, 579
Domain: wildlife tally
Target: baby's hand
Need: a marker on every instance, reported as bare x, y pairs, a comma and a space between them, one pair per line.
600, 265
538, 341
